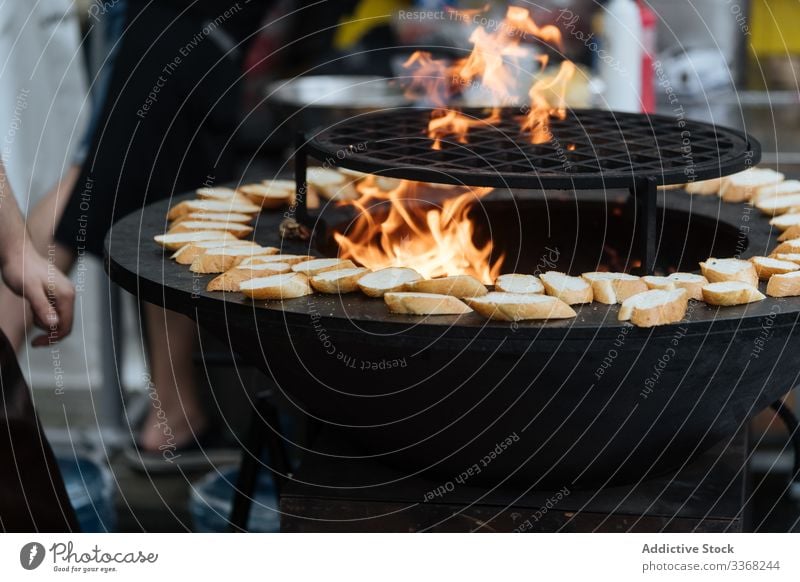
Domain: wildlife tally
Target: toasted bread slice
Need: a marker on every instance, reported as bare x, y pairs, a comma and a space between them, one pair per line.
777, 190
517, 283
705, 187
174, 241
377, 283
656, 307
612, 288
571, 290
269, 195
188, 206
338, 281
231, 279
221, 259
790, 233
659, 283
786, 221
353, 175
285, 286
766, 267
424, 303
331, 184
719, 270
787, 247
791, 257
214, 217
221, 194
290, 259
742, 187
784, 285
728, 293
188, 253
778, 205
317, 266
519, 306
457, 286
236, 229
691, 282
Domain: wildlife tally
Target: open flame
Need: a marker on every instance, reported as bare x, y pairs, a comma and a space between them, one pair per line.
396, 228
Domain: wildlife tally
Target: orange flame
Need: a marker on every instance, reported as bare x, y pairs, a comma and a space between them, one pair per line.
393, 229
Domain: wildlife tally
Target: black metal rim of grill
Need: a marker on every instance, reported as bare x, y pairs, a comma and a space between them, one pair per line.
590, 149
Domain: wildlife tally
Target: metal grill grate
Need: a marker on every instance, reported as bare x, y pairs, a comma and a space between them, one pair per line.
590, 149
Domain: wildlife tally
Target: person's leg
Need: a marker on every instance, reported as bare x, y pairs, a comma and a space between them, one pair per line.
175, 416
15, 315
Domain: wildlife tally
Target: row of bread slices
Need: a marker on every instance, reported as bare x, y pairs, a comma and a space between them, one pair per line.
765, 188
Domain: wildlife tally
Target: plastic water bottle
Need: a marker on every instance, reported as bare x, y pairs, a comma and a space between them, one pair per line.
621, 66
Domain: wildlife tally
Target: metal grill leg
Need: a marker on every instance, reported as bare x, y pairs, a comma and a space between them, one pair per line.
300, 179
645, 193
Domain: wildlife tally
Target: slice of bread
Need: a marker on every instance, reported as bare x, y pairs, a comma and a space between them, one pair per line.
268, 195
188, 206
719, 270
331, 184
787, 247
285, 286
790, 233
612, 288
779, 205
236, 229
784, 285
516, 283
280, 184
215, 217
656, 307
742, 187
660, 283
317, 266
766, 267
338, 281
231, 279
290, 259
571, 290
220, 260
519, 307
704, 187
691, 282
377, 283
728, 293
457, 286
786, 221
791, 257
776, 190
221, 194
188, 253
424, 303
173, 242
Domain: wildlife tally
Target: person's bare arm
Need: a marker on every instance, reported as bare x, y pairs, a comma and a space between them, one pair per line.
29, 275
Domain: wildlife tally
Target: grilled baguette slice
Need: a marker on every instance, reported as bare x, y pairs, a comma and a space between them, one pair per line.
174, 241
276, 194
232, 205
778, 205
788, 247
235, 228
790, 233
692, 282
215, 217
656, 307
338, 281
331, 184
784, 285
516, 283
221, 194
519, 307
659, 283
188, 253
377, 283
571, 290
221, 259
743, 186
612, 288
317, 266
704, 187
791, 257
231, 279
424, 303
285, 286
720, 270
777, 190
786, 221
290, 259
728, 293
766, 267
457, 286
